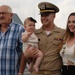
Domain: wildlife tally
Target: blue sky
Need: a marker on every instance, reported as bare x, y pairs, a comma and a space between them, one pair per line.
27, 8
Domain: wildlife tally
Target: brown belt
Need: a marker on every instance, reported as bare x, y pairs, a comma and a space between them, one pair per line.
48, 72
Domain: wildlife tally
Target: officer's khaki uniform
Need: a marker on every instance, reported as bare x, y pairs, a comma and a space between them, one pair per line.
49, 45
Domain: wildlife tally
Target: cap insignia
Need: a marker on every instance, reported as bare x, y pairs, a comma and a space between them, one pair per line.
43, 6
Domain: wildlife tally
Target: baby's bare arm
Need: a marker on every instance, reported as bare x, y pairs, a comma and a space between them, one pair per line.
25, 36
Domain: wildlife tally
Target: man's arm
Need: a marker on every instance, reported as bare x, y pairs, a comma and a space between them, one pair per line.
22, 64
29, 52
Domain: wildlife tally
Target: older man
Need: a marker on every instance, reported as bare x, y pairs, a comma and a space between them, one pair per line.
10, 42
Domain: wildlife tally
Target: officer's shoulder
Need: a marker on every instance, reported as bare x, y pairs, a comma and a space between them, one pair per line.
38, 30
61, 30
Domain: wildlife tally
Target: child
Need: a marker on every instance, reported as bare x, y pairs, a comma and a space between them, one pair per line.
29, 38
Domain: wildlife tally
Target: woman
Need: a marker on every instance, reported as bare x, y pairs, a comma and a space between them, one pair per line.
67, 51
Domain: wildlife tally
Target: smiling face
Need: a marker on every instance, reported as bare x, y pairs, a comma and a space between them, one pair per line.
70, 29
5, 15
71, 24
47, 19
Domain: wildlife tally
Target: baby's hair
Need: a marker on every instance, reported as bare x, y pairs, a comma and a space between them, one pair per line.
30, 19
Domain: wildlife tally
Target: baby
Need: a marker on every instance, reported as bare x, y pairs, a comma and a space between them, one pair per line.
29, 38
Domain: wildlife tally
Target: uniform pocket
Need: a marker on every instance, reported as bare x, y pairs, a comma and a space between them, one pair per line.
56, 42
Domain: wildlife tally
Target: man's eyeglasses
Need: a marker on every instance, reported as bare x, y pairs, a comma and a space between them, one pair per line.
4, 13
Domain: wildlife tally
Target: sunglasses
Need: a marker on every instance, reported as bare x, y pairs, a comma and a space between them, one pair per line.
45, 14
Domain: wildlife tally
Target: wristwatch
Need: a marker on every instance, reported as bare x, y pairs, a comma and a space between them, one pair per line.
20, 74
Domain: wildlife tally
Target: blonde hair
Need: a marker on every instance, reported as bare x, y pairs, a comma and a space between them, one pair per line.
68, 34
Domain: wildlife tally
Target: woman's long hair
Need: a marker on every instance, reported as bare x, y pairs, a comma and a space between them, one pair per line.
68, 34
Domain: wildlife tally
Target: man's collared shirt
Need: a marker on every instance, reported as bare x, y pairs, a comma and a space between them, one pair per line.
10, 49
